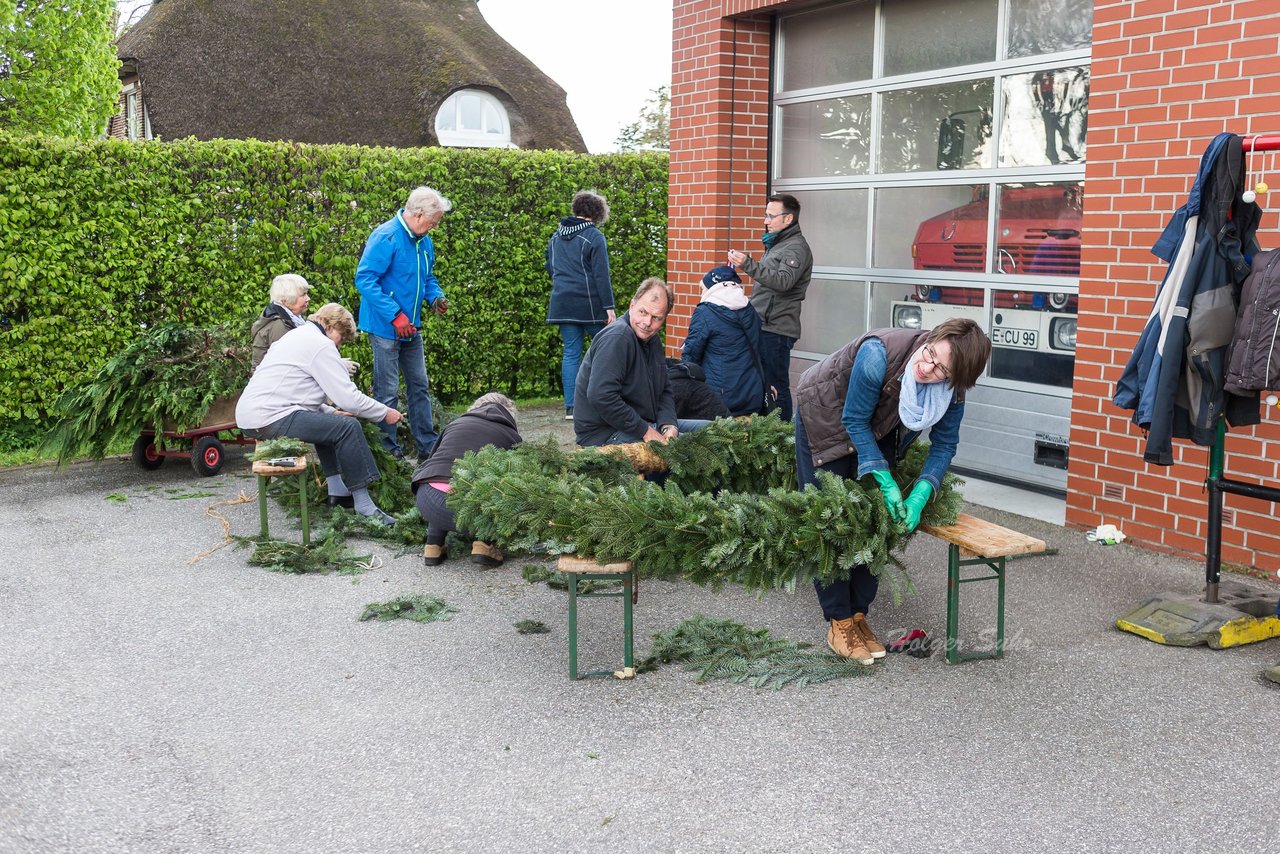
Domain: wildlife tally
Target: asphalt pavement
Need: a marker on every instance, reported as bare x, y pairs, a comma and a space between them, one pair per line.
152, 703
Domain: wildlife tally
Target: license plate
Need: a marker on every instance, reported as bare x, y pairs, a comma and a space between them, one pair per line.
1004, 336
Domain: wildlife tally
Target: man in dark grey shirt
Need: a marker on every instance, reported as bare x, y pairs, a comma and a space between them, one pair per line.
622, 393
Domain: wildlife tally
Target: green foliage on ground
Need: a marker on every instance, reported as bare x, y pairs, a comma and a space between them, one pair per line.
101, 241
326, 553
723, 649
58, 67
768, 536
420, 609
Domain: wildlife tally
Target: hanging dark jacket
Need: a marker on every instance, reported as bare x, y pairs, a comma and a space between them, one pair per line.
1174, 381
1254, 361
693, 397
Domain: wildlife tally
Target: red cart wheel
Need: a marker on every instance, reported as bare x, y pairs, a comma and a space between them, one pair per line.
145, 454
206, 456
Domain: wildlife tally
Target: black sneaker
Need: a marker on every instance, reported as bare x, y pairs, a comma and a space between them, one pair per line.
346, 501
568, 413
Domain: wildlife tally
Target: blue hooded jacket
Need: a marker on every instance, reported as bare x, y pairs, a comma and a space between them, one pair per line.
578, 263
720, 340
395, 274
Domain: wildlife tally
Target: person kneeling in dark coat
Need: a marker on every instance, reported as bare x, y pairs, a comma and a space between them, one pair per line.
694, 398
491, 420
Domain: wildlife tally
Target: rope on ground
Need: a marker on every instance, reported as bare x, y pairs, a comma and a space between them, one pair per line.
226, 526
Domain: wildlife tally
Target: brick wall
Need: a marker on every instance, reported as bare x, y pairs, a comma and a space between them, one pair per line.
719, 142
1167, 76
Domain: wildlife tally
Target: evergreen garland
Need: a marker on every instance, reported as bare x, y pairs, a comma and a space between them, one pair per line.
327, 553
723, 649
768, 536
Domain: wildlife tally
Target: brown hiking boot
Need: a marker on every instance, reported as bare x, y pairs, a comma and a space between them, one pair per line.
485, 554
433, 555
863, 629
845, 641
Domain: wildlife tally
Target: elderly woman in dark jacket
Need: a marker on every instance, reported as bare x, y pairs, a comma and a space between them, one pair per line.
724, 339
289, 299
491, 420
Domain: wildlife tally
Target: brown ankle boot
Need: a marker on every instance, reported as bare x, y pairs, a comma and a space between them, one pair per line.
485, 554
844, 640
433, 555
863, 628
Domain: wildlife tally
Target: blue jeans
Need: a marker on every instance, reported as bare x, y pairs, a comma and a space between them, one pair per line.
775, 358
843, 597
403, 357
573, 335
684, 425
339, 441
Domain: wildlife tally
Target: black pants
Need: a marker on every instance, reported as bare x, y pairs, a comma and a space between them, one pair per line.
843, 597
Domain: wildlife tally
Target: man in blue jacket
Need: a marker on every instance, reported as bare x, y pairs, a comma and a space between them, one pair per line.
395, 277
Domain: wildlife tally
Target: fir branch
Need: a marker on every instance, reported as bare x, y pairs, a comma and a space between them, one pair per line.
420, 609
724, 649
324, 555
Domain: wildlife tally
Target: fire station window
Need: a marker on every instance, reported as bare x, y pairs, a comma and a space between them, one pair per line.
833, 46
1048, 26
470, 118
923, 306
1039, 230
1045, 116
836, 220
833, 309
929, 34
937, 127
931, 228
826, 138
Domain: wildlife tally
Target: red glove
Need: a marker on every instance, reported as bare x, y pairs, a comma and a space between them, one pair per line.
404, 329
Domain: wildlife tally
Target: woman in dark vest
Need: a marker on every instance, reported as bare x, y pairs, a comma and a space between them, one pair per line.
859, 410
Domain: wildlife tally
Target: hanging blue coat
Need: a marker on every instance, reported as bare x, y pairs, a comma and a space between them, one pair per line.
1174, 379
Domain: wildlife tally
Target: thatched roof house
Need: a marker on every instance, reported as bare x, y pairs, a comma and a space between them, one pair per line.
375, 72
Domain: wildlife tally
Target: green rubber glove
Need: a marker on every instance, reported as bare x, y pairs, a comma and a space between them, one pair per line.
919, 497
891, 494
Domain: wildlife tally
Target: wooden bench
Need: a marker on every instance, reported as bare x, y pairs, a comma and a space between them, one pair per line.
972, 542
587, 569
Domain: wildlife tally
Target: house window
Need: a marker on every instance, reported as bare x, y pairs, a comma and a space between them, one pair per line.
133, 122
471, 118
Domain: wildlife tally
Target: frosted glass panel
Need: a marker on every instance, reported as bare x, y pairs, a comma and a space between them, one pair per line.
835, 224
926, 34
823, 138
937, 127
1046, 114
833, 314
828, 47
1046, 26
931, 228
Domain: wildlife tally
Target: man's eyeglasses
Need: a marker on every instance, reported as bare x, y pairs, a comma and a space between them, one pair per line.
771, 217
930, 356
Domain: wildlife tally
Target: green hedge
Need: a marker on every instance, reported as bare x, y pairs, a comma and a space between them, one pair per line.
100, 240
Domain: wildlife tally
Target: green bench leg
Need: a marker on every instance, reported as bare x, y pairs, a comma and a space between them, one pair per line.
306, 523
954, 580
573, 627
262, 505
627, 594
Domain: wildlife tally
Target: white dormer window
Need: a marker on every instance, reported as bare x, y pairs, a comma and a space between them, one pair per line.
471, 118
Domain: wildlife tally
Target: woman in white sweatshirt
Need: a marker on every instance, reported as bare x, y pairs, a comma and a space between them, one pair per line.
286, 397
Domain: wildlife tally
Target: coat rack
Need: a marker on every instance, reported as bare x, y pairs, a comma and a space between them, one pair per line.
1217, 484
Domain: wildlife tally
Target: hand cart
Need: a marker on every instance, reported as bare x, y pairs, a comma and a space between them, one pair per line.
204, 445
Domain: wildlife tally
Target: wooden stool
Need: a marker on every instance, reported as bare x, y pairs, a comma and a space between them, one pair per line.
265, 472
586, 569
